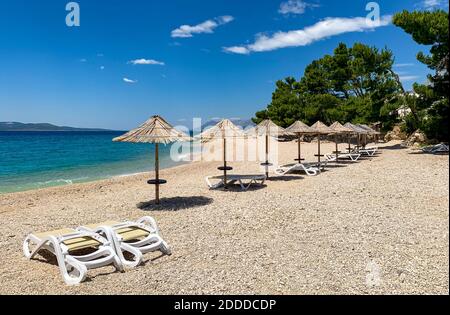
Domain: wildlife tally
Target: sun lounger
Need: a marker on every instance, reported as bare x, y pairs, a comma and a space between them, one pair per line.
135, 238
352, 156
310, 170
245, 181
65, 244
369, 151
322, 165
436, 149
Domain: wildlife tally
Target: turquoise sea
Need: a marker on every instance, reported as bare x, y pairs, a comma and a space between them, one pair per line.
30, 160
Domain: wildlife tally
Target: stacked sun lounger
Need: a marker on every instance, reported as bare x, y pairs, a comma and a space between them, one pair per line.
98, 245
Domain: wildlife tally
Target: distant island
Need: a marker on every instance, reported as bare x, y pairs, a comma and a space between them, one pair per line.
18, 126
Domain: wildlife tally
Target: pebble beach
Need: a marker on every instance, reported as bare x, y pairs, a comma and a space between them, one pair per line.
377, 226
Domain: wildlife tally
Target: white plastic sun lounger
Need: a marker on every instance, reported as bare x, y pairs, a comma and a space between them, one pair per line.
245, 181
289, 168
436, 149
352, 156
64, 243
136, 238
370, 151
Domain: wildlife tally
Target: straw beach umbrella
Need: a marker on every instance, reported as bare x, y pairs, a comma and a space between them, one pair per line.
267, 128
319, 129
369, 130
357, 130
339, 129
224, 130
299, 128
157, 131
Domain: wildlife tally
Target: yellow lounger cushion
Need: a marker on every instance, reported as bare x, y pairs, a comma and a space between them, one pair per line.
132, 233
74, 243
127, 233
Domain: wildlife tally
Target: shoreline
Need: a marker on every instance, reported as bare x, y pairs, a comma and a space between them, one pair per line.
93, 180
70, 182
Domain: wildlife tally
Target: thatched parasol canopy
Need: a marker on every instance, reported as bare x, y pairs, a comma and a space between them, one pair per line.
267, 128
339, 128
320, 129
224, 130
300, 128
369, 130
155, 130
356, 129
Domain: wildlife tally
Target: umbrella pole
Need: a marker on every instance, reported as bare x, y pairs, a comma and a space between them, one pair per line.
157, 172
337, 155
349, 145
299, 149
225, 163
318, 149
267, 156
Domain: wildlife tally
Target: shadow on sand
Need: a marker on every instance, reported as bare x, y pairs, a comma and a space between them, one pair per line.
285, 178
420, 152
337, 165
394, 147
175, 203
235, 188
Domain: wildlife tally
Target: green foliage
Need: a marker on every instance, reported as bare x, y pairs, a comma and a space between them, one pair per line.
429, 110
435, 124
357, 84
352, 85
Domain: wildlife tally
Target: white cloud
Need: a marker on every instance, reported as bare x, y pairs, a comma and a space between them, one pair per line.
294, 7
185, 31
431, 4
403, 65
237, 50
409, 77
323, 29
126, 80
146, 62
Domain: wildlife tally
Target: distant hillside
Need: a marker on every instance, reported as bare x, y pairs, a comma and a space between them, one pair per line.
17, 126
244, 123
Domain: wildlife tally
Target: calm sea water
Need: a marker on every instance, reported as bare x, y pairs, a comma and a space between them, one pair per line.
30, 160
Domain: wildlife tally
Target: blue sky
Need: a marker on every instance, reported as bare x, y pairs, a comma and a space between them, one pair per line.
181, 59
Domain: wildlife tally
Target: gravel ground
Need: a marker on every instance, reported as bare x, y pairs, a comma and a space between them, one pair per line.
379, 226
